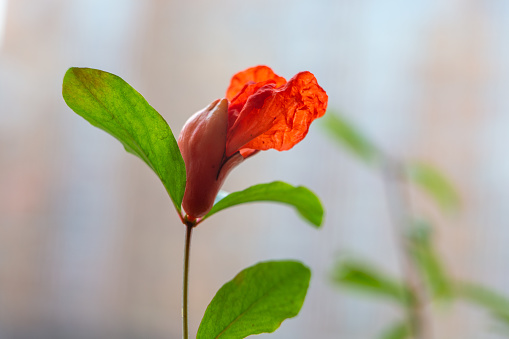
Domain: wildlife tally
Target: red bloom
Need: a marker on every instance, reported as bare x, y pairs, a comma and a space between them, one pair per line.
264, 111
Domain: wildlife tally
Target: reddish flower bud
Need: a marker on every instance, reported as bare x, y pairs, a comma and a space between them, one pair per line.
265, 112
202, 144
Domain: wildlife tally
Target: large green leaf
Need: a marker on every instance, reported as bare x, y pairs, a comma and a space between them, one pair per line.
347, 135
256, 301
306, 202
435, 184
366, 278
109, 103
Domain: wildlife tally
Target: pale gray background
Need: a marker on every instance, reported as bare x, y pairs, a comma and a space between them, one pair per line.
90, 246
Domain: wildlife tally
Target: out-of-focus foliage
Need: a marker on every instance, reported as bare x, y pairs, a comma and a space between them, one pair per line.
493, 302
428, 178
435, 184
366, 278
348, 136
428, 260
399, 330
417, 239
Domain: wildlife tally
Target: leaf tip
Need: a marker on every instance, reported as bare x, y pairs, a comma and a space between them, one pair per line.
438, 187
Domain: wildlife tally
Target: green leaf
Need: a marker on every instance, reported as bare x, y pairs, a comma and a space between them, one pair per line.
399, 330
256, 301
364, 277
348, 136
428, 261
435, 185
109, 103
306, 202
494, 302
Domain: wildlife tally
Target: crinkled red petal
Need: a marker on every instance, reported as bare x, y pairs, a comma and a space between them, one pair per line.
278, 118
252, 75
238, 103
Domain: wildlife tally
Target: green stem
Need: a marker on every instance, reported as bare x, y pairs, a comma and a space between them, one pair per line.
185, 285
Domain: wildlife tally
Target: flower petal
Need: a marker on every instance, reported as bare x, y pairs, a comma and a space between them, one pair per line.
240, 100
278, 118
252, 75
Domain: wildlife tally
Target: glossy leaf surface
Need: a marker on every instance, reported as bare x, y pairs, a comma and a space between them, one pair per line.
256, 301
111, 104
303, 200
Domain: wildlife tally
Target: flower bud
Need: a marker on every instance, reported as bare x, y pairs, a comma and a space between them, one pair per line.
202, 143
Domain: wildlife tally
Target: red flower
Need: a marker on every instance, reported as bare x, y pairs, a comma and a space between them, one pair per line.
261, 111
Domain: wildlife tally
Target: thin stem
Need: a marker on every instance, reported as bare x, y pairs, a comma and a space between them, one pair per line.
185, 284
399, 208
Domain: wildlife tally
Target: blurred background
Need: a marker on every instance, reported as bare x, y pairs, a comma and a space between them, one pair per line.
90, 246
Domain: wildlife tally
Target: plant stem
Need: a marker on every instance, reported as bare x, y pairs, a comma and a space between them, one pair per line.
185, 284
399, 209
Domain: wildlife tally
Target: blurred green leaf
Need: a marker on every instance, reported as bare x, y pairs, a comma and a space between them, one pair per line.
256, 301
306, 202
399, 330
366, 278
111, 104
428, 261
435, 184
494, 302
347, 135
